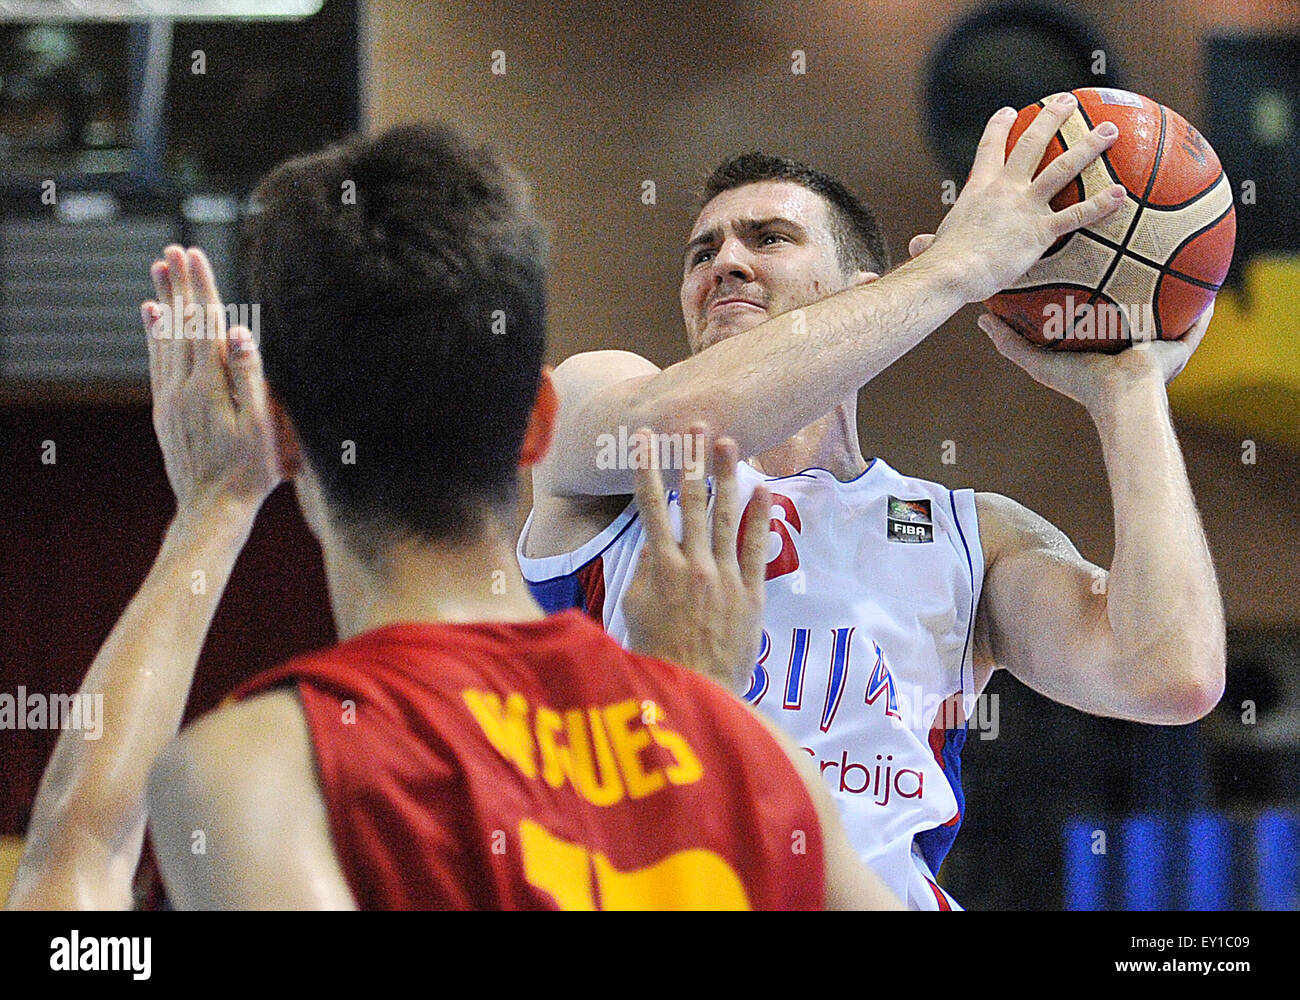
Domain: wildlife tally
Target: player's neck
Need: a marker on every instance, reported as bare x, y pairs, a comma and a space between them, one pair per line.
477, 581
830, 443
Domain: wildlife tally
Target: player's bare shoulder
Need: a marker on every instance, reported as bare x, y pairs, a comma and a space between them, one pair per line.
237, 744
582, 373
597, 392
214, 778
1007, 526
997, 514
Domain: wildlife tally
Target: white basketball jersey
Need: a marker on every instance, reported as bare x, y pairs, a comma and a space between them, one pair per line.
866, 657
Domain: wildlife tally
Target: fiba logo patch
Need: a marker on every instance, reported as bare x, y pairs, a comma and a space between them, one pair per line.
909, 521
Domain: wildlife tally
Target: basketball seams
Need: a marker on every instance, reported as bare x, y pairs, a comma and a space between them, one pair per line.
1160, 154
1151, 261
1133, 270
1170, 272
1103, 160
1174, 273
1058, 286
1142, 202
1209, 286
1190, 201
1192, 217
1046, 287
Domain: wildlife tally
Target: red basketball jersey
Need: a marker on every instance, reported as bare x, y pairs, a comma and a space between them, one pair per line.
541, 765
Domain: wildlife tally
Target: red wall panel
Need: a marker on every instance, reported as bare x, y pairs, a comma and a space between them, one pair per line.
78, 538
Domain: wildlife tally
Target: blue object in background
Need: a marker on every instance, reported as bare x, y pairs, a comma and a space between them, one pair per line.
1144, 854
1210, 867
1277, 861
1085, 870
1198, 861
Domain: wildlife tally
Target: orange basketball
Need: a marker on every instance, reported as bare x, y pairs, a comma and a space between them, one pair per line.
1149, 269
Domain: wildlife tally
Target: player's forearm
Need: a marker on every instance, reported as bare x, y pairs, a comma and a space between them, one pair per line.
1163, 598
763, 385
93, 789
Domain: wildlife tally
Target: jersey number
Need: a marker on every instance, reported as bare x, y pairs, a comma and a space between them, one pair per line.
580, 879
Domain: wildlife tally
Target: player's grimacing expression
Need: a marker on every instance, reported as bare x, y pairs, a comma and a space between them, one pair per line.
755, 252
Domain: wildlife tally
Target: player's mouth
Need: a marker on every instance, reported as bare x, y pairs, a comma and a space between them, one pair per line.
734, 301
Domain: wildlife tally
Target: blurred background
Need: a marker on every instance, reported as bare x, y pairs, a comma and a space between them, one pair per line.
122, 133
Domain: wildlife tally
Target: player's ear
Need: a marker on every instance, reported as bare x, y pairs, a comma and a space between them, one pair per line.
541, 424
287, 445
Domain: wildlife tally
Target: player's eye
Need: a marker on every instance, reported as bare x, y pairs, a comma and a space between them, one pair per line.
700, 256
767, 239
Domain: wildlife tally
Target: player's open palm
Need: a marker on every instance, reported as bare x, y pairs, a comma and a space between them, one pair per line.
1003, 221
1087, 377
699, 602
210, 407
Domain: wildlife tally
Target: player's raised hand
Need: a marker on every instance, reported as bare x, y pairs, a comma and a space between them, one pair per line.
699, 602
210, 407
1085, 376
1003, 221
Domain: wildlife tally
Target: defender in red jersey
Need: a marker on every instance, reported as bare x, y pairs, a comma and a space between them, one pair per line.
458, 748
523, 765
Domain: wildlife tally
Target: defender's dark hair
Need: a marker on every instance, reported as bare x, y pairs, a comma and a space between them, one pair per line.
859, 243
401, 287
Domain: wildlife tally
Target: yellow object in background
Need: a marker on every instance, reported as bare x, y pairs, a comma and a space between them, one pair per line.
11, 849
1245, 376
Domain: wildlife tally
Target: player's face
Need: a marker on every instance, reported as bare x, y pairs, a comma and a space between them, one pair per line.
755, 252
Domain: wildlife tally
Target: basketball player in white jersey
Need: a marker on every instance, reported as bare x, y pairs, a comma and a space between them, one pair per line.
891, 600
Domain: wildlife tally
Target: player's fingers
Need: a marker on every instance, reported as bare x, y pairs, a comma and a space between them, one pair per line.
694, 497
149, 316
162, 282
1193, 336
990, 154
650, 501
920, 244
1023, 160
169, 360
1180, 351
178, 269
182, 318
207, 298
1010, 344
726, 520
1085, 213
246, 382
1066, 167
756, 527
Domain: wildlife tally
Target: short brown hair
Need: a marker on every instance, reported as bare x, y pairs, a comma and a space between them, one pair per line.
859, 243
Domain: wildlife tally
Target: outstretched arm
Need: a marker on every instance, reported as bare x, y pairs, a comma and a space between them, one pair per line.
210, 414
1146, 640
762, 385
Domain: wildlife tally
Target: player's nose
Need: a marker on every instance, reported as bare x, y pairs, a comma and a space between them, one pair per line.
732, 259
